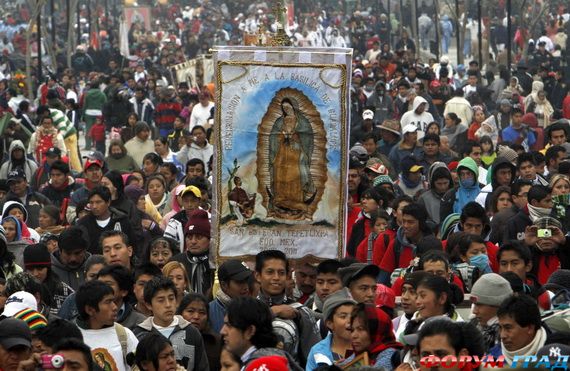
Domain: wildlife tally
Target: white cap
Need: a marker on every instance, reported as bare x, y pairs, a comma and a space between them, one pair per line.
19, 301
368, 115
410, 128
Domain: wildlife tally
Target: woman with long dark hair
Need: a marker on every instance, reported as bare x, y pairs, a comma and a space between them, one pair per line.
37, 262
155, 353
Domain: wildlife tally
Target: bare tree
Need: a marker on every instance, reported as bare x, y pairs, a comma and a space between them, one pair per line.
71, 36
36, 7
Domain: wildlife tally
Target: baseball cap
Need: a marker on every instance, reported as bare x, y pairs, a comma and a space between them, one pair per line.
53, 152
16, 174
90, 163
192, 189
367, 115
268, 363
234, 270
385, 297
95, 155
410, 128
14, 332
18, 301
554, 352
356, 270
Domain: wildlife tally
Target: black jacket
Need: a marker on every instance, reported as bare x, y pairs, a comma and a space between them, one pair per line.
516, 225
119, 221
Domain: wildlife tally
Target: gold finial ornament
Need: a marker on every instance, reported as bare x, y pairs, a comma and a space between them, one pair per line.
280, 38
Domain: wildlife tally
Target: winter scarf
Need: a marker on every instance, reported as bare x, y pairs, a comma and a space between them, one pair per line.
531, 349
537, 212
200, 267
380, 331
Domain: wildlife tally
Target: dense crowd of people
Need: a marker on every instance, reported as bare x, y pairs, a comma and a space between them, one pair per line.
458, 224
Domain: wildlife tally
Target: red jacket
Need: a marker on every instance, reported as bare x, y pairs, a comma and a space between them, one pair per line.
378, 249
97, 132
566, 107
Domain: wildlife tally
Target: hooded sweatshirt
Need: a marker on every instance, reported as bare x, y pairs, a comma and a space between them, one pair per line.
185, 338
431, 200
455, 199
500, 163
74, 277
488, 128
28, 165
411, 117
17, 246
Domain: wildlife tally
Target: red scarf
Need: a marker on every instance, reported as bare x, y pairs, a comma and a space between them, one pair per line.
380, 331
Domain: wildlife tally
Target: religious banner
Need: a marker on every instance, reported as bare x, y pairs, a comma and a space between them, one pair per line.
280, 164
196, 72
137, 14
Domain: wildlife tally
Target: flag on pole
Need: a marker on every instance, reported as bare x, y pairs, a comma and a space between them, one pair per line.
124, 39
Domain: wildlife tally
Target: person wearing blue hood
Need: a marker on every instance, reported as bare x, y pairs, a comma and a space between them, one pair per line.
410, 182
440, 182
468, 189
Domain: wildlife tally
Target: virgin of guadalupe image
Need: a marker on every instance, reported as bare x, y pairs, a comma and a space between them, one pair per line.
291, 157
290, 150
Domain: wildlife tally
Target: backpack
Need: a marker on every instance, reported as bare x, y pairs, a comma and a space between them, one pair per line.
467, 273
299, 335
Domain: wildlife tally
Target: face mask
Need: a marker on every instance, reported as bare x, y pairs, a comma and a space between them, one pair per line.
117, 156
467, 183
481, 261
368, 88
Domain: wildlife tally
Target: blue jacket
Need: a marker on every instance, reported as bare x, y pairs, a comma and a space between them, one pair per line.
322, 348
217, 311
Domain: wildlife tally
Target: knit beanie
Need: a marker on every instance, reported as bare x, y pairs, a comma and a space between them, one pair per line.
268, 363
33, 319
491, 289
198, 223
36, 255
507, 153
382, 179
559, 280
134, 192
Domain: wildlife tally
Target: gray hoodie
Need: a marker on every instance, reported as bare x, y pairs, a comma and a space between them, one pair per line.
29, 166
74, 277
430, 199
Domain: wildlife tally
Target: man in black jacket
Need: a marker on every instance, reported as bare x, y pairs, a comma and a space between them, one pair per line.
60, 183
103, 218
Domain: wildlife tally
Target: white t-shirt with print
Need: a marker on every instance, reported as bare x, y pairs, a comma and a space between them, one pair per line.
106, 347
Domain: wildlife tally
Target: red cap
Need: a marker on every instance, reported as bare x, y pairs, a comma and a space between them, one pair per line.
90, 163
452, 165
269, 363
385, 297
